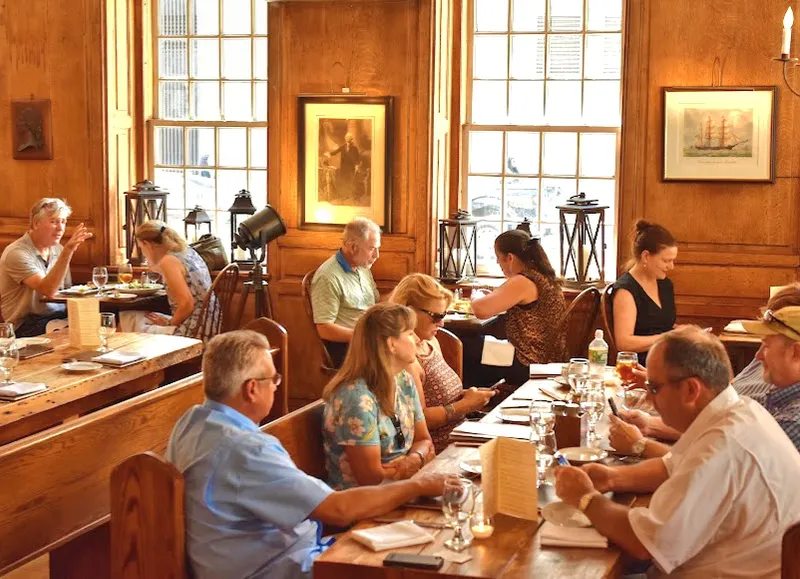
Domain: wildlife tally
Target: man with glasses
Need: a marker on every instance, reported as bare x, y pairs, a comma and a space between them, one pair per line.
250, 512
771, 379
724, 495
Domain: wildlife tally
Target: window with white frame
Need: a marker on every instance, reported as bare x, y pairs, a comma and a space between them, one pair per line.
209, 131
543, 115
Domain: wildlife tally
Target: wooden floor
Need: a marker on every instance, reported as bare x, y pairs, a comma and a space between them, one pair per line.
37, 569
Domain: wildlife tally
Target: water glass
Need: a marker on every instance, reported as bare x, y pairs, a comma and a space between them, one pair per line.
108, 325
7, 336
577, 373
9, 357
458, 502
545, 452
100, 278
593, 402
542, 417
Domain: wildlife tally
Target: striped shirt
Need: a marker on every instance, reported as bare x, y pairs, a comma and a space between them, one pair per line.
782, 403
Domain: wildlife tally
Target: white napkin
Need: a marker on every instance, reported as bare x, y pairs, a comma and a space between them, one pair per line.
116, 358
497, 352
551, 369
735, 327
554, 536
392, 536
22, 388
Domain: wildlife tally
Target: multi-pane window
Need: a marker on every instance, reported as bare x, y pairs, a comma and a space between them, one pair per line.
209, 131
543, 115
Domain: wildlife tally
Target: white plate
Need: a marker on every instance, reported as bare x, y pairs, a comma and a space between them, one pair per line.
22, 342
119, 296
81, 366
516, 415
472, 465
564, 515
583, 454
151, 289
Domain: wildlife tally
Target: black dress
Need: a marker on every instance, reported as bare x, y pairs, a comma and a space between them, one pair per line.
650, 319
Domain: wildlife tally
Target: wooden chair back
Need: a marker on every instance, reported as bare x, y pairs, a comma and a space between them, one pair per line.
219, 319
580, 322
607, 312
278, 338
148, 530
300, 433
305, 292
60, 501
790, 553
452, 351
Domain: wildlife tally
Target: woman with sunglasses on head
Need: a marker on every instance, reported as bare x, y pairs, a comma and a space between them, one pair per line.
373, 425
534, 305
441, 393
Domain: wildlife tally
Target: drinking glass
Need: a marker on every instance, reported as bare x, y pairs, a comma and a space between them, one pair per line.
125, 273
108, 325
541, 417
593, 402
100, 278
9, 356
626, 362
7, 336
577, 373
545, 451
458, 502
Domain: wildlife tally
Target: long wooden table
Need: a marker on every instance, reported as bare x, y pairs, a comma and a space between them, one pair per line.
70, 394
157, 302
513, 551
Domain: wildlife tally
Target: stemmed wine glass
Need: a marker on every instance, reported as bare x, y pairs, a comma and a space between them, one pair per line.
458, 502
9, 355
125, 273
626, 362
577, 373
545, 451
108, 325
100, 278
593, 402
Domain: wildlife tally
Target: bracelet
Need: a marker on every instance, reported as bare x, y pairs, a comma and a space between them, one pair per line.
450, 413
421, 456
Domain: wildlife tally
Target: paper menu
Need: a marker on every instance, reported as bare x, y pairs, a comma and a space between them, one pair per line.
508, 478
486, 430
84, 322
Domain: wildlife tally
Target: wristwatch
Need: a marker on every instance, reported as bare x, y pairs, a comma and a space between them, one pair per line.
638, 447
584, 501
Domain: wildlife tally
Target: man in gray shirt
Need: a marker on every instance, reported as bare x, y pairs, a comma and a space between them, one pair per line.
37, 265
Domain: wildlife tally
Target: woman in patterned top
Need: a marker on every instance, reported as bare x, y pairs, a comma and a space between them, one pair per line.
533, 302
186, 278
373, 426
442, 395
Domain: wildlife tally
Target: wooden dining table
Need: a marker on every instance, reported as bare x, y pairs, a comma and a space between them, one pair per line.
514, 551
156, 302
71, 394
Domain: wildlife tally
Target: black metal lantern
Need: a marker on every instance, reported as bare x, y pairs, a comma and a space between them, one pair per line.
145, 202
196, 218
583, 242
241, 209
458, 247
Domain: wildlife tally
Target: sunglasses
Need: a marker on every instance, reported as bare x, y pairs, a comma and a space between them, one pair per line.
399, 437
435, 317
770, 317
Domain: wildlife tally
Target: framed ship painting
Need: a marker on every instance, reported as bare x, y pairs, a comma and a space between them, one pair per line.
719, 134
344, 160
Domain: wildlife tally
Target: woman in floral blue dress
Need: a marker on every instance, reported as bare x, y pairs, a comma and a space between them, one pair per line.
373, 425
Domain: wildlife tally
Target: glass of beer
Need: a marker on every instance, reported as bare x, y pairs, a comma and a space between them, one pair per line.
125, 273
626, 362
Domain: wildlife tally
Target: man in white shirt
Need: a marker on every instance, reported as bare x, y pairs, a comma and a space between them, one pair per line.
723, 497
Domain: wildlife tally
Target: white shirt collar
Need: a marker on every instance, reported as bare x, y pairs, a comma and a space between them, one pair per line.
707, 417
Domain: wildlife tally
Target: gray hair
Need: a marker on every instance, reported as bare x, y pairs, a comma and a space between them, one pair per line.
691, 352
49, 206
359, 229
228, 362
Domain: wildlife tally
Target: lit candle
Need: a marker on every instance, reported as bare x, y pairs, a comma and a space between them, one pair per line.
788, 20
482, 530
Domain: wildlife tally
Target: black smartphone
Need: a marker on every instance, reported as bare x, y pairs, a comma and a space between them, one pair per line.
413, 561
34, 350
613, 406
496, 385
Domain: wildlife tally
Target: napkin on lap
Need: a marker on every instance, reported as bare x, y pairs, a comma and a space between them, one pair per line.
22, 388
118, 358
497, 352
554, 536
392, 536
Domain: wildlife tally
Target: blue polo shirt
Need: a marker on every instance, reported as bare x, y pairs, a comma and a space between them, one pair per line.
247, 504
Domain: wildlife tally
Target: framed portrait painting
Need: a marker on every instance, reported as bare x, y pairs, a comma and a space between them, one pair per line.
32, 135
344, 160
719, 134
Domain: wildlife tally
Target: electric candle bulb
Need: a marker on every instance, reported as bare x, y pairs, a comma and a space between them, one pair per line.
788, 20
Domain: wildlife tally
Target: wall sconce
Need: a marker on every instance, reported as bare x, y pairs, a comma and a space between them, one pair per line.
786, 43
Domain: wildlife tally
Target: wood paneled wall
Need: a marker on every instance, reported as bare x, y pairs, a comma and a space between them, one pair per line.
385, 48
735, 239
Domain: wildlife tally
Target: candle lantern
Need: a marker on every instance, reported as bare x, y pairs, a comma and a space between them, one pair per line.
583, 242
241, 209
145, 202
458, 247
194, 223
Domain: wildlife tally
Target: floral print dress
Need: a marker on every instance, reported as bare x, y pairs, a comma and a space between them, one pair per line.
353, 417
198, 278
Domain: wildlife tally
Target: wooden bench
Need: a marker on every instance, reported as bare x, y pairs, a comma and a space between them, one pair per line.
147, 514
55, 494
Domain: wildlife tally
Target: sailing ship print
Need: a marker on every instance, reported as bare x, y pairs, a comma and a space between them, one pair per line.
717, 132
711, 138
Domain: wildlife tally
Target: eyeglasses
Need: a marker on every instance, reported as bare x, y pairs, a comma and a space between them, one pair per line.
399, 437
275, 378
769, 317
655, 387
435, 317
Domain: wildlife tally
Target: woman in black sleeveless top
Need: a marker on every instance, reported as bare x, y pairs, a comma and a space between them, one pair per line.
644, 299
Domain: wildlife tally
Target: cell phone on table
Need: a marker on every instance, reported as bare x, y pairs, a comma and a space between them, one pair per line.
613, 406
413, 561
34, 350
